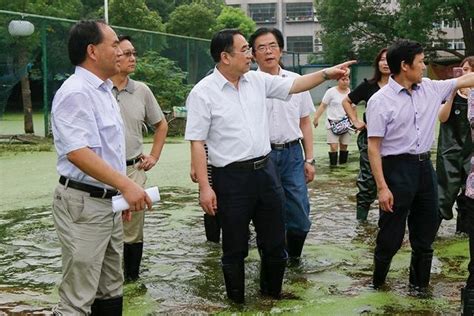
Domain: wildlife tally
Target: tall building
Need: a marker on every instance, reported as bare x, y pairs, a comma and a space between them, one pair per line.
295, 18
300, 27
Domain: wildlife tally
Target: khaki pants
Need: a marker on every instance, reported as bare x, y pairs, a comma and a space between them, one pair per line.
91, 245
133, 230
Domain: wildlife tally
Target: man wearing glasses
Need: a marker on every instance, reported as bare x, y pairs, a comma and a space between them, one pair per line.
137, 106
290, 129
227, 111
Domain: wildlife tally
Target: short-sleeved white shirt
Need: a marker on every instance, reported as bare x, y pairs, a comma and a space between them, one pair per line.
284, 116
85, 114
233, 122
333, 98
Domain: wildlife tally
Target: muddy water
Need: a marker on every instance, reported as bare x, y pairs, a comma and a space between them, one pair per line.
181, 272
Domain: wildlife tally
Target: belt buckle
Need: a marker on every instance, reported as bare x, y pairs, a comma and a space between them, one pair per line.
278, 146
259, 164
422, 157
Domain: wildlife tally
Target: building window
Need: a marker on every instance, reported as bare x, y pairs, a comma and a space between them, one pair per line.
300, 44
263, 12
296, 12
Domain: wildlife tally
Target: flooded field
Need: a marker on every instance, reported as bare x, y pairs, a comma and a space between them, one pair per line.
181, 272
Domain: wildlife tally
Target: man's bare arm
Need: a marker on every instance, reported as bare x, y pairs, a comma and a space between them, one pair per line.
384, 193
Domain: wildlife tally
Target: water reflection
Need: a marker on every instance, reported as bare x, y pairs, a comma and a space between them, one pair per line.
181, 273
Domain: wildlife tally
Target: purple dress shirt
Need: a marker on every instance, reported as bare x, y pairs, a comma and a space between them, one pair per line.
407, 121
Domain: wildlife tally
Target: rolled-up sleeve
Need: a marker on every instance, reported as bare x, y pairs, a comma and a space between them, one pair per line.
74, 124
376, 118
198, 117
277, 87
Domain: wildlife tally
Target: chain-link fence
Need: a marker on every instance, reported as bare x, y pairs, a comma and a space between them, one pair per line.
167, 60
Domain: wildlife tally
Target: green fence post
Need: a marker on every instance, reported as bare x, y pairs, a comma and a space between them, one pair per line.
44, 59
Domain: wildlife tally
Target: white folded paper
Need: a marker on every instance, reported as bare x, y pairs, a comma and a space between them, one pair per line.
119, 204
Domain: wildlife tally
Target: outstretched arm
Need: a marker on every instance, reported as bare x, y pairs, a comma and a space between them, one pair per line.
309, 81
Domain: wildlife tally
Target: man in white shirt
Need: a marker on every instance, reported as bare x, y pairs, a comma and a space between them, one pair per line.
290, 129
227, 111
89, 140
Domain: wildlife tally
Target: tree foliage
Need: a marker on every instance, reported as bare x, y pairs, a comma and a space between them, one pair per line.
191, 20
134, 13
356, 28
235, 18
164, 78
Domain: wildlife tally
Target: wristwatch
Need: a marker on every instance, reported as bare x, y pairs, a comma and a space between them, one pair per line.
311, 161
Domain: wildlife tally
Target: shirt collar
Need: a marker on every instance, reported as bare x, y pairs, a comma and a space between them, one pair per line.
281, 72
95, 81
129, 87
399, 88
222, 81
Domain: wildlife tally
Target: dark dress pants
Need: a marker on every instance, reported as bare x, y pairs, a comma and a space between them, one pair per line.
414, 188
244, 195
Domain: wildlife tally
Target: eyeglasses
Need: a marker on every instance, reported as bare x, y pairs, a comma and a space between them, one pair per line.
263, 48
246, 51
129, 54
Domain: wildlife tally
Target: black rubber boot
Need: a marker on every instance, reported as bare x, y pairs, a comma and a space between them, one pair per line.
109, 307
234, 277
132, 258
294, 246
332, 159
380, 273
271, 277
362, 214
212, 227
420, 271
343, 157
463, 206
467, 302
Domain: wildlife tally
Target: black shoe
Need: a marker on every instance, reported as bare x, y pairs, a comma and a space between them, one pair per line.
420, 270
212, 227
343, 154
132, 258
234, 277
109, 307
380, 273
332, 159
294, 246
271, 276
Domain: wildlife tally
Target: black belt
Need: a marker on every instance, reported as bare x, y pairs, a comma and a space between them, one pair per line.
93, 191
419, 157
133, 161
285, 145
252, 164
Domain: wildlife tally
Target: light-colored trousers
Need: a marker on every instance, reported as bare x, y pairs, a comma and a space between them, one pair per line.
133, 230
91, 240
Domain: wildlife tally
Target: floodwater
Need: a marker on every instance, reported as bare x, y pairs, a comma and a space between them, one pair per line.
181, 272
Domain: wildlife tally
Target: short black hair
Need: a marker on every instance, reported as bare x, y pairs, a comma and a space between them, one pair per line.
265, 30
223, 41
123, 37
81, 35
402, 50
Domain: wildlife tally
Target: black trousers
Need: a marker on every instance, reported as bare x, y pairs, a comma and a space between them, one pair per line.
469, 218
244, 195
414, 188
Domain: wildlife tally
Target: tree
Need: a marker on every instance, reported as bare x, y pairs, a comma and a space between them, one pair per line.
355, 28
235, 18
25, 48
136, 14
164, 78
193, 20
